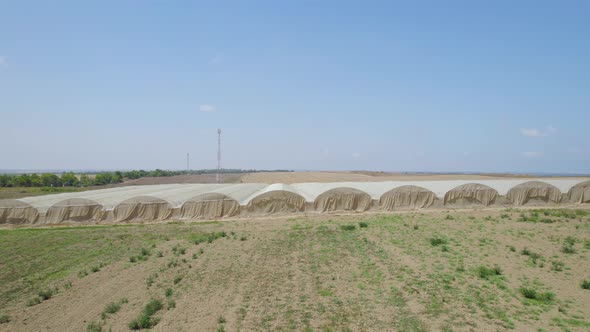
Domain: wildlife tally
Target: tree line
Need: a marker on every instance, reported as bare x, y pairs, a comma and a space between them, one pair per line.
69, 179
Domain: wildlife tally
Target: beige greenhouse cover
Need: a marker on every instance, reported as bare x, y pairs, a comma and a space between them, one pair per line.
212, 205
13, 211
276, 201
412, 197
343, 199
142, 208
533, 190
471, 193
74, 209
580, 193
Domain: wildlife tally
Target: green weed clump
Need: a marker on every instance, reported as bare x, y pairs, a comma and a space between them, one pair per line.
363, 224
112, 308
557, 266
485, 272
435, 241
168, 292
146, 319
533, 255
45, 294
541, 297
93, 327
585, 284
177, 279
348, 227
199, 238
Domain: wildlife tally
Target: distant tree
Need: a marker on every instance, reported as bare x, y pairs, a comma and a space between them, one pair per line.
68, 179
23, 180
36, 180
103, 178
86, 181
50, 180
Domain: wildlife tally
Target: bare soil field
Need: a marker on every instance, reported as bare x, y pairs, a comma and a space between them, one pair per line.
299, 177
476, 270
187, 178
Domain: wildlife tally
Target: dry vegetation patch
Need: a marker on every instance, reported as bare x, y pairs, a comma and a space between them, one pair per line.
439, 270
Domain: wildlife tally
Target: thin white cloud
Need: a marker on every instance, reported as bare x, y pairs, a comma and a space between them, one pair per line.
532, 154
206, 108
531, 132
3, 60
356, 155
534, 132
216, 59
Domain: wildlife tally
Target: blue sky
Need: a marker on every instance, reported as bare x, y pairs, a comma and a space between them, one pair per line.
486, 86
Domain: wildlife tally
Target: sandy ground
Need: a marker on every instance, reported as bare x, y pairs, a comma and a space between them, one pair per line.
307, 273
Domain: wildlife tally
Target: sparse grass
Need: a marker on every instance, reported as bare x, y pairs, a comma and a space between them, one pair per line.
68, 285
4, 319
146, 319
151, 279
171, 304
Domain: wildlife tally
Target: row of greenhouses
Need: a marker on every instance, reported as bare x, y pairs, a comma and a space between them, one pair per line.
215, 201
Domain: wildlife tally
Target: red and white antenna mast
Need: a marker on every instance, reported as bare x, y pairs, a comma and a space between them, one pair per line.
218, 155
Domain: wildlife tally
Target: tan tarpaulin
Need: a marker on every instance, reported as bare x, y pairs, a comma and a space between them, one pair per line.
13, 211
142, 208
580, 193
470, 194
276, 201
406, 197
209, 206
343, 199
534, 192
74, 209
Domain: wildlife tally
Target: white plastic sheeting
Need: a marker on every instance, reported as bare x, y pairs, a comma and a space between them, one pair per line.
177, 194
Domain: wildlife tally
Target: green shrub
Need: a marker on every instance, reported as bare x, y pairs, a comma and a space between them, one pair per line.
33, 301
504, 216
363, 224
133, 259
145, 252
570, 240
145, 319
568, 249
93, 327
68, 285
486, 272
4, 319
168, 292
348, 227
585, 284
171, 304
45, 294
532, 294
95, 269
177, 279
435, 241
449, 217
557, 266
